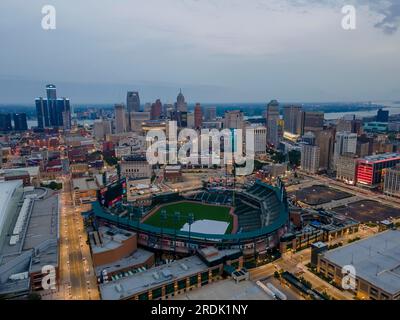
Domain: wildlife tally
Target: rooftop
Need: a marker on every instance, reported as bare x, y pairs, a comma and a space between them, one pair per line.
33, 171
85, 184
139, 257
7, 190
111, 238
155, 277
381, 157
376, 259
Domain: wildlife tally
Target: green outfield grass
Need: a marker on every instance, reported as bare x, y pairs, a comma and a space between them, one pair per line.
199, 210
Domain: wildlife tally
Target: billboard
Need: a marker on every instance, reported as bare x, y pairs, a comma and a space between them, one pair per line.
112, 193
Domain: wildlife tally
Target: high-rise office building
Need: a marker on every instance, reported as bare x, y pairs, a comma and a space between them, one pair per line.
5, 122
190, 120
210, 113
137, 119
233, 119
53, 112
346, 168
20, 123
101, 128
180, 105
260, 140
312, 121
156, 110
382, 116
120, 123
133, 101
51, 92
272, 118
292, 119
198, 116
309, 138
310, 158
132, 105
350, 124
325, 141
346, 142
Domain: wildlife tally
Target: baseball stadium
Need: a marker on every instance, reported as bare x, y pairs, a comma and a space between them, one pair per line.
251, 219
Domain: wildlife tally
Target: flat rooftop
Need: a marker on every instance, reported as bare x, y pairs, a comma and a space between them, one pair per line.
111, 238
7, 189
85, 184
213, 254
376, 259
43, 223
226, 290
152, 278
139, 257
381, 157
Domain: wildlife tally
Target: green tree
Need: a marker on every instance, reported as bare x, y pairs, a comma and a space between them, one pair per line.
294, 158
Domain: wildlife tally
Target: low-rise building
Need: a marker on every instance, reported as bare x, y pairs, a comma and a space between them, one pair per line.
136, 167
85, 189
375, 262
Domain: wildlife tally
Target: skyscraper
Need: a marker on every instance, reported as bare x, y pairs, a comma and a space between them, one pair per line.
120, 123
20, 123
272, 118
133, 101
132, 105
5, 122
292, 119
180, 105
325, 141
346, 142
52, 112
312, 121
233, 119
382, 116
198, 116
156, 110
101, 128
310, 158
210, 113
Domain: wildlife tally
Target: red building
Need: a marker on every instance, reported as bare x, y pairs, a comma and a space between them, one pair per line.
155, 112
370, 170
198, 116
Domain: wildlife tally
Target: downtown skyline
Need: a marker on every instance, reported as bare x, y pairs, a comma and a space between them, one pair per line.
217, 51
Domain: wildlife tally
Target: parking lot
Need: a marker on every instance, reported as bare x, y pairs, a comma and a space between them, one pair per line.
319, 194
368, 211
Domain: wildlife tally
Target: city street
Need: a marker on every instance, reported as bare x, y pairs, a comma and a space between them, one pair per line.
77, 278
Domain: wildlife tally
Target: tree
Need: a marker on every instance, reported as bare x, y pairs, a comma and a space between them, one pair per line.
34, 296
278, 157
294, 158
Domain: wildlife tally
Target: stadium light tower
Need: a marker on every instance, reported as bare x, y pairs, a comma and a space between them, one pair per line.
190, 221
163, 219
177, 217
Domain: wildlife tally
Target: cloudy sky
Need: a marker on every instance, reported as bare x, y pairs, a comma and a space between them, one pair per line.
215, 50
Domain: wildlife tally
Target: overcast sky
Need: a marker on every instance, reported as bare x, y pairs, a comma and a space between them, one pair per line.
216, 50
